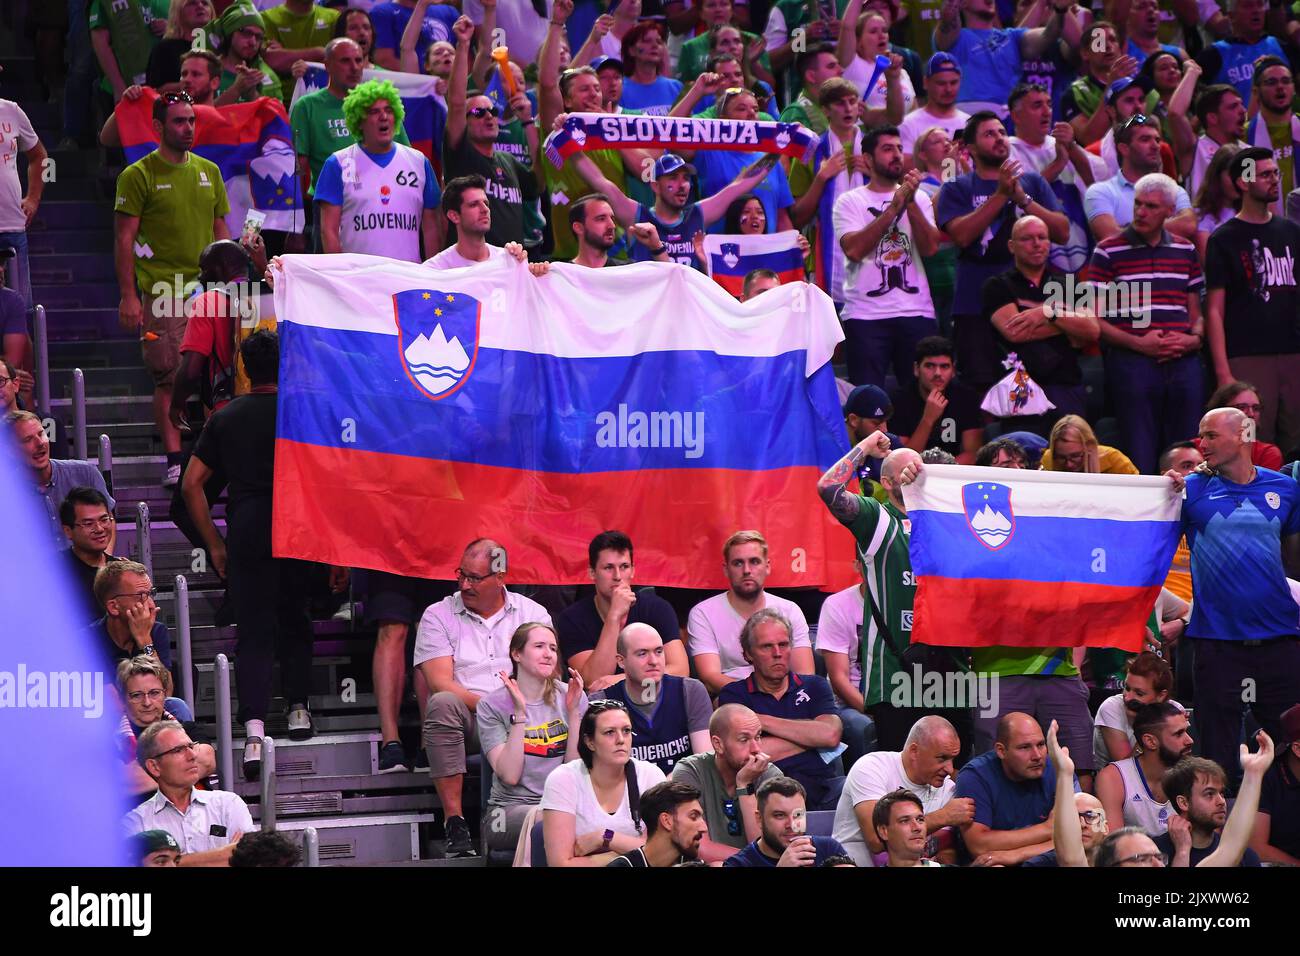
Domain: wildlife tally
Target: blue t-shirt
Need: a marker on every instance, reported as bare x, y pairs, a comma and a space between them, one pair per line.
753, 856
1115, 196
989, 256
655, 98
806, 698
1234, 533
990, 61
1002, 803
329, 186
1232, 61
718, 167
1137, 53
1166, 844
390, 20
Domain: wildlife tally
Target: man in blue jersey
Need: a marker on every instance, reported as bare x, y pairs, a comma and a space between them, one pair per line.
1232, 60
674, 219
1244, 620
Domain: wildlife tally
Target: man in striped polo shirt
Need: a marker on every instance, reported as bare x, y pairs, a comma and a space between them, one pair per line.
883, 532
1146, 284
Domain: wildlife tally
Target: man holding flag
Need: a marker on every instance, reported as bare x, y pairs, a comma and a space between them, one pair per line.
169, 206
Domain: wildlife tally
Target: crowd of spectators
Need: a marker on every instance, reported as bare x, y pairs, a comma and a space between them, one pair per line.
1057, 235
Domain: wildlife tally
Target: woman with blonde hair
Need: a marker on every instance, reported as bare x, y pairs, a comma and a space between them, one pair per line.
186, 22
1072, 446
526, 728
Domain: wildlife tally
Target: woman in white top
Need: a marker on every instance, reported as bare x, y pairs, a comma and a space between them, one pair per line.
1218, 199
591, 808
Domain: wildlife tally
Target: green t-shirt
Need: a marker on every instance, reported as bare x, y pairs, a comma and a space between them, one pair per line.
1280, 138
805, 111
566, 185
695, 54
1018, 661
922, 18
883, 532
176, 206
513, 140
299, 31
794, 13
131, 45
271, 85
320, 131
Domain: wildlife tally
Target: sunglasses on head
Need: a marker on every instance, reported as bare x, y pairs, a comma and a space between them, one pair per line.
180, 97
1137, 119
479, 112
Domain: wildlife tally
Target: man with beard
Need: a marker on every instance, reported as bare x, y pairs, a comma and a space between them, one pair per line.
592, 221
935, 410
1083, 106
1108, 203
674, 825
1197, 792
783, 818
170, 204
1132, 789
1221, 111
883, 229
200, 78
867, 410
245, 75
54, 478
715, 624
800, 724
1014, 790
1276, 125
977, 210
675, 218
1148, 679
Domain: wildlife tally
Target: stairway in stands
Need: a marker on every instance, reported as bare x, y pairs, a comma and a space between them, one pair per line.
329, 782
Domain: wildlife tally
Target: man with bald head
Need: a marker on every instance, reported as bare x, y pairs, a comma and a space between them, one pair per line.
670, 715
883, 532
462, 647
1029, 318
924, 767
728, 778
1238, 518
1013, 787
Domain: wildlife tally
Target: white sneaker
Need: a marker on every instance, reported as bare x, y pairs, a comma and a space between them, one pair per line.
300, 723
344, 613
172, 477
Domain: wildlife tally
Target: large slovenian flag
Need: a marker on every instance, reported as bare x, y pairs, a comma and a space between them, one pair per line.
252, 145
420, 409
1038, 558
729, 258
426, 111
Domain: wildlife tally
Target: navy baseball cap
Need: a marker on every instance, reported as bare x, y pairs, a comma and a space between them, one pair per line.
151, 841
1120, 85
670, 163
942, 63
600, 62
868, 401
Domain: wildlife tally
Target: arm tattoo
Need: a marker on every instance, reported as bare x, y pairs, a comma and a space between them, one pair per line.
833, 486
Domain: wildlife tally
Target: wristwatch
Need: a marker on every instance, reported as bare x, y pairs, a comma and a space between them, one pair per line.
514, 719
744, 791
609, 837
148, 651
528, 122
1049, 312
655, 252
1023, 205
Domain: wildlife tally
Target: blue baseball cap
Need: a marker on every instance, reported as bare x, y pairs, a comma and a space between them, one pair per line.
600, 62
942, 63
670, 163
1122, 84
868, 401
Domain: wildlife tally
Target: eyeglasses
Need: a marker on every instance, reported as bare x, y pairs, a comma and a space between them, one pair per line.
1144, 859
473, 579
138, 695
175, 750
733, 819
90, 524
179, 97
1092, 816
138, 595
5, 380
1075, 459
479, 112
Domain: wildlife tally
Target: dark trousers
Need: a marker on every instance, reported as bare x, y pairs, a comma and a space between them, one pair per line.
270, 596
1156, 403
872, 345
893, 724
1232, 677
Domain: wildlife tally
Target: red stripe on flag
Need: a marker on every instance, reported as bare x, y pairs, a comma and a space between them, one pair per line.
414, 516
980, 612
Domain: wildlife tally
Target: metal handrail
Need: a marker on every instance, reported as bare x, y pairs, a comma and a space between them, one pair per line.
106, 461
143, 544
268, 785
78, 414
311, 847
225, 737
184, 648
42, 346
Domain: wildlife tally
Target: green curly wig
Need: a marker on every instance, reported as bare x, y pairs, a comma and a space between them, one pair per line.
364, 96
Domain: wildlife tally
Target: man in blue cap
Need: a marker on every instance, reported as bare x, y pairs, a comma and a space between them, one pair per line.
942, 81
866, 411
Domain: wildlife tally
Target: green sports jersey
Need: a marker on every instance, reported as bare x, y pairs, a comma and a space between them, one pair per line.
1019, 661
271, 85
320, 131
805, 111
695, 55
883, 533
176, 206
131, 41
566, 185
299, 31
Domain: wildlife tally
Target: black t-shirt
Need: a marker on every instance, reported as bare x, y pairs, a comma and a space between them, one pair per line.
1166, 845
963, 412
1280, 799
509, 185
1048, 361
239, 440
165, 62
84, 575
578, 626
1254, 263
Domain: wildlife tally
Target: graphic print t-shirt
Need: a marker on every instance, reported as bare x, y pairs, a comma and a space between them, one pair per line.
891, 280
1254, 263
546, 738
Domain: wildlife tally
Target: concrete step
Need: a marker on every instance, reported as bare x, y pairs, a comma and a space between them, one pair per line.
73, 163
52, 242
104, 410
96, 324
75, 188
113, 380
58, 215
366, 840
83, 295
72, 266
118, 352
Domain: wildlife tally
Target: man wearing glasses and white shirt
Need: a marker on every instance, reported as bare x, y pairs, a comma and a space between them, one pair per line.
206, 823
462, 647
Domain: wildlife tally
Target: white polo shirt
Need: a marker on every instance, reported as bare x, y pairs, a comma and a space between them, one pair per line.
193, 829
479, 647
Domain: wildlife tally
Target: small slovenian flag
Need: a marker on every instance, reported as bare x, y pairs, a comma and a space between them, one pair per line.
730, 258
1038, 558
